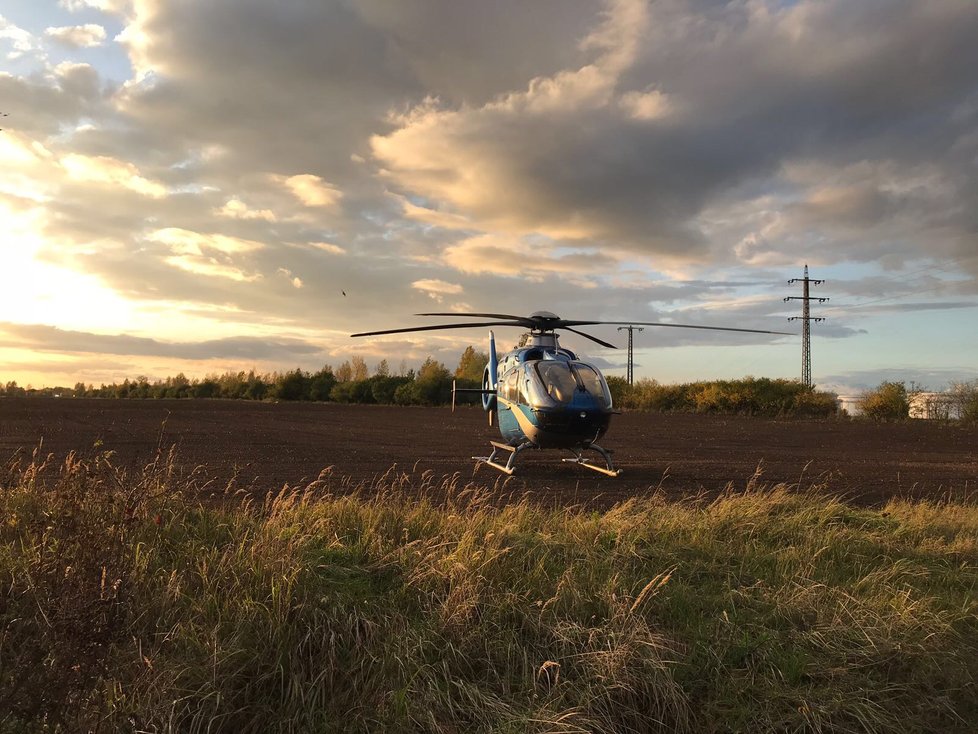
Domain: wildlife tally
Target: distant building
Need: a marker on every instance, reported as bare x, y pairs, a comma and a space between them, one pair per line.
934, 406
849, 404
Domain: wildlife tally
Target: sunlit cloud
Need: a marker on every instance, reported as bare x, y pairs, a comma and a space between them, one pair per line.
311, 190
437, 289
206, 254
186, 242
89, 35
110, 171
295, 280
35, 290
237, 209
20, 41
646, 106
514, 258
465, 158
328, 247
442, 219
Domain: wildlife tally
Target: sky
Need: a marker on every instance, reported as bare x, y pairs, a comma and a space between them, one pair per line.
201, 187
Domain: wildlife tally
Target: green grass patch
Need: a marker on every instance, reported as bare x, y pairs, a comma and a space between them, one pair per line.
416, 603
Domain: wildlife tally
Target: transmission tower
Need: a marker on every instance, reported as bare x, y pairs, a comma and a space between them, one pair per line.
631, 352
806, 318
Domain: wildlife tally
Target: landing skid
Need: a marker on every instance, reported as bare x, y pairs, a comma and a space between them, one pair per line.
510, 466
586, 463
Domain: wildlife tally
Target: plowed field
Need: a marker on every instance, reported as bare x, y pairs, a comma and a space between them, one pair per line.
267, 445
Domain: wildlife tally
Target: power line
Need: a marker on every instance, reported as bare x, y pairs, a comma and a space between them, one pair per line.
806, 319
873, 301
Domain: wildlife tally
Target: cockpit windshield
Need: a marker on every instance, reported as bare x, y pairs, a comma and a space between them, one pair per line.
593, 383
561, 379
558, 380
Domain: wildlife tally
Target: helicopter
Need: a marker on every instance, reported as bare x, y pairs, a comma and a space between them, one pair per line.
543, 395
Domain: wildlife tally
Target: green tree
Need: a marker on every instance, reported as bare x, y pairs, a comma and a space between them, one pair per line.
888, 402
359, 368
384, 389
434, 382
344, 373
207, 388
471, 365
255, 387
965, 397
321, 384
619, 388
292, 385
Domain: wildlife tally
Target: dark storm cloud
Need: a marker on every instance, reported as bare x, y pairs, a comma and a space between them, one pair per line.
51, 339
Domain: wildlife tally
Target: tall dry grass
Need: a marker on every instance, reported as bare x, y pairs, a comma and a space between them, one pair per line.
421, 603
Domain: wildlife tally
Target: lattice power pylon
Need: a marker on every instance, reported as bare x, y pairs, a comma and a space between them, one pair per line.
630, 376
806, 318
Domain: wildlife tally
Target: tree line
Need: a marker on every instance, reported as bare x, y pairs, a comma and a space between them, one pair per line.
431, 384
350, 382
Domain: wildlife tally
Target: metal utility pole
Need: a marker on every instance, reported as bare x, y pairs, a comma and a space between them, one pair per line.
631, 352
806, 318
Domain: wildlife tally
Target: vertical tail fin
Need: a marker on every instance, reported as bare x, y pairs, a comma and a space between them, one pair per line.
493, 362
489, 376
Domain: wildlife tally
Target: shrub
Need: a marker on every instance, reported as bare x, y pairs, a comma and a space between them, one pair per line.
748, 396
620, 390
888, 402
965, 397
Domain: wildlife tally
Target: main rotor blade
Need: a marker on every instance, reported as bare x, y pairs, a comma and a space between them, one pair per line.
568, 324
436, 327
592, 338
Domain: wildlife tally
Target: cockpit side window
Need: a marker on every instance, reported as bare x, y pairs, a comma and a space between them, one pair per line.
558, 380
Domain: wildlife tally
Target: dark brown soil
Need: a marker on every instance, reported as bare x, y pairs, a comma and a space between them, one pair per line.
267, 445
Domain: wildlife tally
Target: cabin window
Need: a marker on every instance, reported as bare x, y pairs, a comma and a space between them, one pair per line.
511, 392
558, 380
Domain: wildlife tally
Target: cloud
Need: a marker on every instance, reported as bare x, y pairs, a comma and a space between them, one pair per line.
652, 145
237, 209
89, 35
106, 170
291, 277
106, 6
516, 258
206, 254
327, 247
21, 42
437, 289
52, 339
311, 190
